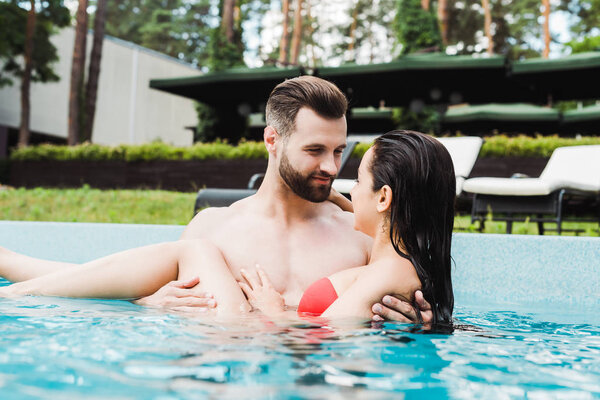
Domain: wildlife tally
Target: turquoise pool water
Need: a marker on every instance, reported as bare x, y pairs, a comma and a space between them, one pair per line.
64, 348
527, 327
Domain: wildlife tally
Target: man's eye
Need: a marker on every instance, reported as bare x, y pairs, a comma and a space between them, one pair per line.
338, 152
314, 150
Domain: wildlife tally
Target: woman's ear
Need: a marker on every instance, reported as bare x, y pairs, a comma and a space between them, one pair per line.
385, 199
270, 137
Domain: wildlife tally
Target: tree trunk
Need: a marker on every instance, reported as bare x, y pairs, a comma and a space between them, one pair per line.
546, 52
353, 31
488, 26
91, 90
425, 5
310, 38
284, 42
227, 20
443, 18
26, 79
77, 67
297, 37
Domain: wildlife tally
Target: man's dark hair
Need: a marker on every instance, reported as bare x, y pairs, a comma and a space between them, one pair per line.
321, 96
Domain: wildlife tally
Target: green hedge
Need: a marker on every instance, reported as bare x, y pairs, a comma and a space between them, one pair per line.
495, 146
145, 152
524, 146
516, 146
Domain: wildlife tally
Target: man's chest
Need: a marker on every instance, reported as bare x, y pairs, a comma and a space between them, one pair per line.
292, 258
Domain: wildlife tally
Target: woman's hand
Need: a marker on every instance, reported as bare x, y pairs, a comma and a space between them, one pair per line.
340, 200
260, 292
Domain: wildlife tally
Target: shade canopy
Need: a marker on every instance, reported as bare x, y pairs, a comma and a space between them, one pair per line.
576, 77
416, 80
521, 118
370, 121
585, 121
508, 118
240, 88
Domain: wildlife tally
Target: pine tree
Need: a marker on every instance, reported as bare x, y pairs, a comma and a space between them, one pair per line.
417, 29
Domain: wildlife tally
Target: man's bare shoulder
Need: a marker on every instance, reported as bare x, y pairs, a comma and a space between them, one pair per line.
345, 221
344, 218
206, 221
211, 219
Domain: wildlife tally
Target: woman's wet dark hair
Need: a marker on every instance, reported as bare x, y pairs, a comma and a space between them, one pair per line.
419, 170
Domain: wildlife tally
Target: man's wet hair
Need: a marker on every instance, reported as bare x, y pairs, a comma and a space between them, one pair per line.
321, 96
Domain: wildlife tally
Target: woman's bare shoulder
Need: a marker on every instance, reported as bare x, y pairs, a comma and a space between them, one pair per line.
399, 275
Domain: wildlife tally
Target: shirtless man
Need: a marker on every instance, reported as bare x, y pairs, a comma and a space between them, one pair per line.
287, 227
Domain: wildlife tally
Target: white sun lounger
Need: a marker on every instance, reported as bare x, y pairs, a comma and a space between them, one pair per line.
571, 170
463, 150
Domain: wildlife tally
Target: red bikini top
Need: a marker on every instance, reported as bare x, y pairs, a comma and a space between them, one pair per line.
317, 298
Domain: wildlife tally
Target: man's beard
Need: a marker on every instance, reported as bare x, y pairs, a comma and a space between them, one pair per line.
301, 185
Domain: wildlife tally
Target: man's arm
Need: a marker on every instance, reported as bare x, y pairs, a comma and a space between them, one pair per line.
183, 295
394, 309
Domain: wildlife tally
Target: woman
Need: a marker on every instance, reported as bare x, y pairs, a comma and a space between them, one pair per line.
404, 199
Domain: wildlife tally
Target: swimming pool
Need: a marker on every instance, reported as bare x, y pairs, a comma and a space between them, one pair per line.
527, 326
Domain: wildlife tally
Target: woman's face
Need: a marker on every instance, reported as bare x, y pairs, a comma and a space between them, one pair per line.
364, 199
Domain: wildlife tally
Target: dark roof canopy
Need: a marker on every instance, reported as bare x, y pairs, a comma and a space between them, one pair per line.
505, 118
576, 77
425, 79
501, 112
411, 80
521, 118
585, 120
230, 88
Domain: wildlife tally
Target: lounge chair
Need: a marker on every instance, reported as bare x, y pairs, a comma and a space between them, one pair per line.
463, 150
212, 197
572, 176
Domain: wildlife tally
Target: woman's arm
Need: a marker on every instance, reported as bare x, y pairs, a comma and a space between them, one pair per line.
340, 200
376, 281
125, 275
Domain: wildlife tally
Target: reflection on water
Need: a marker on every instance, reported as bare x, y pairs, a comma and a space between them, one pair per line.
70, 348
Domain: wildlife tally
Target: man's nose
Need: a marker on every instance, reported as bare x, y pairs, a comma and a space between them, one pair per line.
329, 165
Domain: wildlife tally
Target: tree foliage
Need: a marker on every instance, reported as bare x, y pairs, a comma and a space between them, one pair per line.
359, 34
416, 28
13, 19
587, 15
178, 28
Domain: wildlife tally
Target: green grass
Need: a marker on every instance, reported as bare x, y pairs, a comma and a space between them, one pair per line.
94, 205
164, 207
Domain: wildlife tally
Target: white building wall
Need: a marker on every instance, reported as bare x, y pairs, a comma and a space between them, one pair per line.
127, 110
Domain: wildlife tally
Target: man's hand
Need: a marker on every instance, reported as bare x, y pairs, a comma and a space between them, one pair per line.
180, 296
397, 310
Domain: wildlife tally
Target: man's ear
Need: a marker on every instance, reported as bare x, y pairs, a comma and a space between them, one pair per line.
385, 199
270, 137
